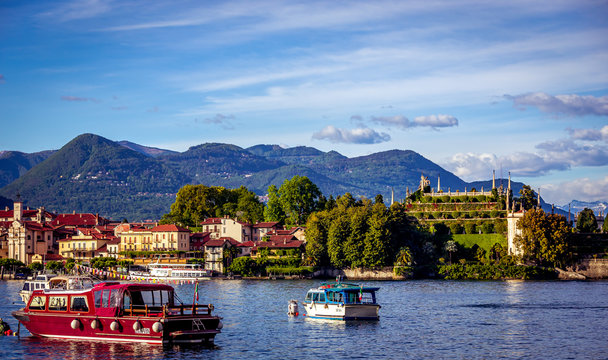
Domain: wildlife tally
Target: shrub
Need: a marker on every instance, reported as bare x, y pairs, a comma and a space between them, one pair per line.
470, 227
456, 227
487, 227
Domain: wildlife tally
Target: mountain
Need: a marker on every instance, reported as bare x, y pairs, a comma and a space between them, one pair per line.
126, 180
575, 206
13, 164
146, 150
94, 174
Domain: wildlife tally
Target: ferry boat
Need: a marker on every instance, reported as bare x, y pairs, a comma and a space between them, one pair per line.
111, 311
342, 301
159, 270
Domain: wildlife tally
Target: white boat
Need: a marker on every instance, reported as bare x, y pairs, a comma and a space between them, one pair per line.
178, 271
34, 283
342, 301
54, 282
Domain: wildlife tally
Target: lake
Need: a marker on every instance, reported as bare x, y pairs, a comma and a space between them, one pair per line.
421, 319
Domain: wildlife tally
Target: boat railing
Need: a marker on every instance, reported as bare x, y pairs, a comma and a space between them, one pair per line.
168, 310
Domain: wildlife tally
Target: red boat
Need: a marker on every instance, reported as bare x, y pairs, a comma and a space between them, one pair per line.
145, 313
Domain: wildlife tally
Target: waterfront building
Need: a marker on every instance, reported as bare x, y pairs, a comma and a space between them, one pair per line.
226, 227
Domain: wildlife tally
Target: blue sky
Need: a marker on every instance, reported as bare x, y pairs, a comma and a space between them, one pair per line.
515, 86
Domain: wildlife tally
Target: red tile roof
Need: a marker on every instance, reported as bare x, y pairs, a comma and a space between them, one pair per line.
247, 244
215, 243
169, 227
53, 257
279, 244
272, 224
87, 220
211, 221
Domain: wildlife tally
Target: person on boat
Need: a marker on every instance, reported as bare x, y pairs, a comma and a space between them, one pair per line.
5, 328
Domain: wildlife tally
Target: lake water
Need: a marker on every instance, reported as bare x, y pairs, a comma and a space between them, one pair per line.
418, 320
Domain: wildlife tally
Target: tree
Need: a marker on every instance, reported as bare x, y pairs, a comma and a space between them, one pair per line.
354, 245
450, 247
54, 266
299, 197
316, 239
544, 238
379, 199
605, 226
274, 208
336, 237
249, 207
243, 265
586, 221
377, 239
528, 198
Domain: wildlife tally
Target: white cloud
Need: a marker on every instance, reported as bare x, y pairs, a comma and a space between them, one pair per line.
589, 134
360, 135
436, 121
572, 105
583, 189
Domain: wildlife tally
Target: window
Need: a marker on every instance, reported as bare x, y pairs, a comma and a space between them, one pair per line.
38, 303
79, 303
58, 303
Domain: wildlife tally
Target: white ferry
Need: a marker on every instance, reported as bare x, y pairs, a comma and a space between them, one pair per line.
178, 271
342, 301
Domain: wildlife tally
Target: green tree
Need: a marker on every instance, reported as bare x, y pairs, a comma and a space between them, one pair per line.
605, 226
249, 207
54, 266
377, 239
35, 266
316, 239
354, 245
336, 237
274, 208
586, 221
528, 197
243, 265
299, 197
544, 238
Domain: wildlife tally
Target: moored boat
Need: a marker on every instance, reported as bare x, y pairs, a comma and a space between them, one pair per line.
40, 281
342, 301
111, 311
51, 281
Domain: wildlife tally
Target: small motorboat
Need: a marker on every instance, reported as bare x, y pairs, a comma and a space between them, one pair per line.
342, 301
40, 281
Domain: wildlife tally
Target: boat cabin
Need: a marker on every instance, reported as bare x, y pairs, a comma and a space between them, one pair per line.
341, 293
107, 299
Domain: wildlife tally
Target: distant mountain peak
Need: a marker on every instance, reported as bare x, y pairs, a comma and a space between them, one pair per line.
146, 150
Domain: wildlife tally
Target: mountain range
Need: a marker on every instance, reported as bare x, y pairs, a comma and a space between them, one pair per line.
126, 180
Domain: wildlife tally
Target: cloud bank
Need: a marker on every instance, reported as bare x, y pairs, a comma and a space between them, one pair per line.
570, 105
361, 135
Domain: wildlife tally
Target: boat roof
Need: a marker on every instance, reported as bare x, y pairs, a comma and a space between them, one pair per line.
342, 286
131, 286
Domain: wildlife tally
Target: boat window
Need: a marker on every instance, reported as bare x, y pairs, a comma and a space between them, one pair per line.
58, 303
38, 303
315, 297
338, 297
79, 303
308, 296
98, 299
322, 297
26, 286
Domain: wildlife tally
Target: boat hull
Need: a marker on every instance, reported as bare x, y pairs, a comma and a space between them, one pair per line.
186, 329
342, 312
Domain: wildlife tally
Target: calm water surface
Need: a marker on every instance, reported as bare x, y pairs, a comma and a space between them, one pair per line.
418, 319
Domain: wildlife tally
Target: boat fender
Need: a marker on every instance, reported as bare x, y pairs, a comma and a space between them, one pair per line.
137, 325
157, 327
115, 325
220, 325
210, 306
94, 324
75, 324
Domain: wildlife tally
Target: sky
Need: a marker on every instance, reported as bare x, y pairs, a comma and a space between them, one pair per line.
518, 87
